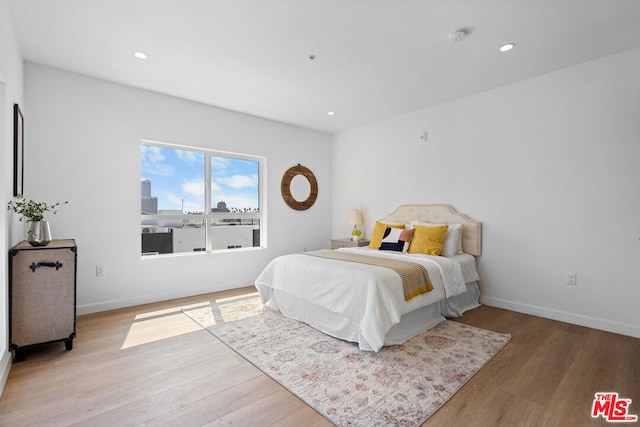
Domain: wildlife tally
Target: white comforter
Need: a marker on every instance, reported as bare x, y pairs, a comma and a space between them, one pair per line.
370, 295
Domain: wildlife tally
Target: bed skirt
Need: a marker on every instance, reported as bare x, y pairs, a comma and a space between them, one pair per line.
342, 327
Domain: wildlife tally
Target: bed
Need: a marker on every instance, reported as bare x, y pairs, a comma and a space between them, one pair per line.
364, 303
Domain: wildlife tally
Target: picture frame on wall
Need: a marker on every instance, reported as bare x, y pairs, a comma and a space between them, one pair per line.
18, 151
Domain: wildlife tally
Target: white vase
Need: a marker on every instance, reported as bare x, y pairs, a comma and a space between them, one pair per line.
39, 233
355, 238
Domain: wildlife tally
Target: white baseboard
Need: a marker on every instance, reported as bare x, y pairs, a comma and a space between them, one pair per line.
565, 316
5, 367
145, 299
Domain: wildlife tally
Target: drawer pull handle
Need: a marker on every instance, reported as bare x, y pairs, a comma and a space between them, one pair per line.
57, 265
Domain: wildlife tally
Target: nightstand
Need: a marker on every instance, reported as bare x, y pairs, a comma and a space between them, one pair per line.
348, 243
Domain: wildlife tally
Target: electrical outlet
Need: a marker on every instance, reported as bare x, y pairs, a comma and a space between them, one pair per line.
100, 271
572, 279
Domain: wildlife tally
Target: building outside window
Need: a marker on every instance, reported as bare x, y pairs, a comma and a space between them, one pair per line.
198, 200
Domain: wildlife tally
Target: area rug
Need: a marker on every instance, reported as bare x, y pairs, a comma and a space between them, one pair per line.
399, 385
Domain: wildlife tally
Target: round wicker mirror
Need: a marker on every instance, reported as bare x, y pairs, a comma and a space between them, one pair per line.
285, 188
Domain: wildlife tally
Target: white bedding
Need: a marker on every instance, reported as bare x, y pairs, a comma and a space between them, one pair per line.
370, 297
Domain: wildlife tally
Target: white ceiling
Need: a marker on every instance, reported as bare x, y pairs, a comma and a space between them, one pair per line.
375, 59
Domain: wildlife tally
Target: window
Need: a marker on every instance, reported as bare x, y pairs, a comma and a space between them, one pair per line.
195, 200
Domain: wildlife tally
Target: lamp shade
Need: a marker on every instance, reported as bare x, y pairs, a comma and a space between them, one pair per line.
355, 217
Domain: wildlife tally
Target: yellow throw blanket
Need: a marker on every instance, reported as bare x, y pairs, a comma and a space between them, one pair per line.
415, 277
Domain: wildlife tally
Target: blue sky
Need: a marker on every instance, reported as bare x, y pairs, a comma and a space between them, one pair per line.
177, 179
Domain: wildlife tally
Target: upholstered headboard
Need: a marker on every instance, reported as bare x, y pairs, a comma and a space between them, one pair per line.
442, 214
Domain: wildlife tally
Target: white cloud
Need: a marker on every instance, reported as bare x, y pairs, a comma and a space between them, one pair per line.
240, 181
152, 154
194, 187
189, 156
188, 204
174, 200
219, 162
154, 161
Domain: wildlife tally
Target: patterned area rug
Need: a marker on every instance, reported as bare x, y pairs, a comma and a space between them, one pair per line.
400, 385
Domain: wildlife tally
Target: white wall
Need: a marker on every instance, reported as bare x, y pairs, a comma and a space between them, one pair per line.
11, 91
550, 165
83, 145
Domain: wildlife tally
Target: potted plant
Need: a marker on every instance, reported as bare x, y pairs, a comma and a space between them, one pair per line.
33, 212
355, 233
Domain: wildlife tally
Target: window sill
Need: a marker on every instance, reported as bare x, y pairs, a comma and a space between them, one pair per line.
201, 253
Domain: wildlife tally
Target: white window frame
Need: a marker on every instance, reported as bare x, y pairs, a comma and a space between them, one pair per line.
209, 217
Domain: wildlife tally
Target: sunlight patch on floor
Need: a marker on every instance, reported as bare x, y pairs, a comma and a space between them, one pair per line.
224, 310
172, 310
162, 324
158, 325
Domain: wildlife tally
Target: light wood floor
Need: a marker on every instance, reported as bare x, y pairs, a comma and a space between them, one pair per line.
152, 365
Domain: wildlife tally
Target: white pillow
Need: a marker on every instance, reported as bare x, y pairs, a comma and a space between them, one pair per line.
452, 244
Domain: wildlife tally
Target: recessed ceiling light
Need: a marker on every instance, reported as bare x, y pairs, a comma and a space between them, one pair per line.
331, 113
140, 55
507, 47
459, 35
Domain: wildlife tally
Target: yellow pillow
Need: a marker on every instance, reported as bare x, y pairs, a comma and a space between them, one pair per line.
428, 239
378, 233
